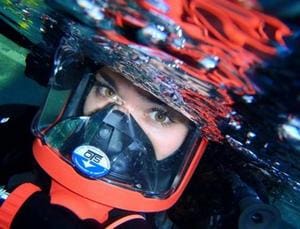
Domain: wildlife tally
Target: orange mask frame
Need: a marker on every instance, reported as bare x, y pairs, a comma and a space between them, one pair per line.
104, 193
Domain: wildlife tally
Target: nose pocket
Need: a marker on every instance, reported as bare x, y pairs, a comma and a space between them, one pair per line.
122, 167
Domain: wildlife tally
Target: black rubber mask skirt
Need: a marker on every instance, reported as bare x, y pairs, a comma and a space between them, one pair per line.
111, 146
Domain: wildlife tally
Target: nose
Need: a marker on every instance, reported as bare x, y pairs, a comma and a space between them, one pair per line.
121, 108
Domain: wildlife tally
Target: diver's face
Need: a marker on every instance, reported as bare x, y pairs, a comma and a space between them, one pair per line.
165, 127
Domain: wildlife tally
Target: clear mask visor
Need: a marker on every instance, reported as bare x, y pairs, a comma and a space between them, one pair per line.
110, 130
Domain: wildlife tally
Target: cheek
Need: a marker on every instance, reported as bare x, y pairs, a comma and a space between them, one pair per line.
87, 105
166, 140
92, 103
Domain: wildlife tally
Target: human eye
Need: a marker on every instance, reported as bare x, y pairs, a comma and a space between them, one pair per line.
160, 116
105, 91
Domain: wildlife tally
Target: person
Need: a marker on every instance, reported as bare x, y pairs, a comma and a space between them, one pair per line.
123, 128
128, 147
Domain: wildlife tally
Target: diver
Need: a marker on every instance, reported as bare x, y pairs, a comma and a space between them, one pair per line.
106, 144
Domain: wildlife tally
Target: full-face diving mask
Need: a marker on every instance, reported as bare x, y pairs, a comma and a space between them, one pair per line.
111, 145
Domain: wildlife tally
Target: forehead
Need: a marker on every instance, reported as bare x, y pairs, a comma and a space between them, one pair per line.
117, 81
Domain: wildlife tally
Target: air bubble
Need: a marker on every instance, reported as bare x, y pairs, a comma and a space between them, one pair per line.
4, 120
251, 135
248, 98
209, 62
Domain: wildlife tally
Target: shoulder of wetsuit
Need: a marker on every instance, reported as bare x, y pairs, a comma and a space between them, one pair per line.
15, 139
38, 212
36, 176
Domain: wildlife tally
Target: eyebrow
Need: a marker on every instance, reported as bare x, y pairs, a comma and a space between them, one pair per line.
108, 80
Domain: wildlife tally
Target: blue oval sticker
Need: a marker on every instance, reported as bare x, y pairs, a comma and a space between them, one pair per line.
91, 161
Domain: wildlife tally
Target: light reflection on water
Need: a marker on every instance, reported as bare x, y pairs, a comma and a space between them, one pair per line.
265, 130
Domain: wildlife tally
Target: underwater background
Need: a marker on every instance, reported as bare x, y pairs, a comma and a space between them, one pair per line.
261, 134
